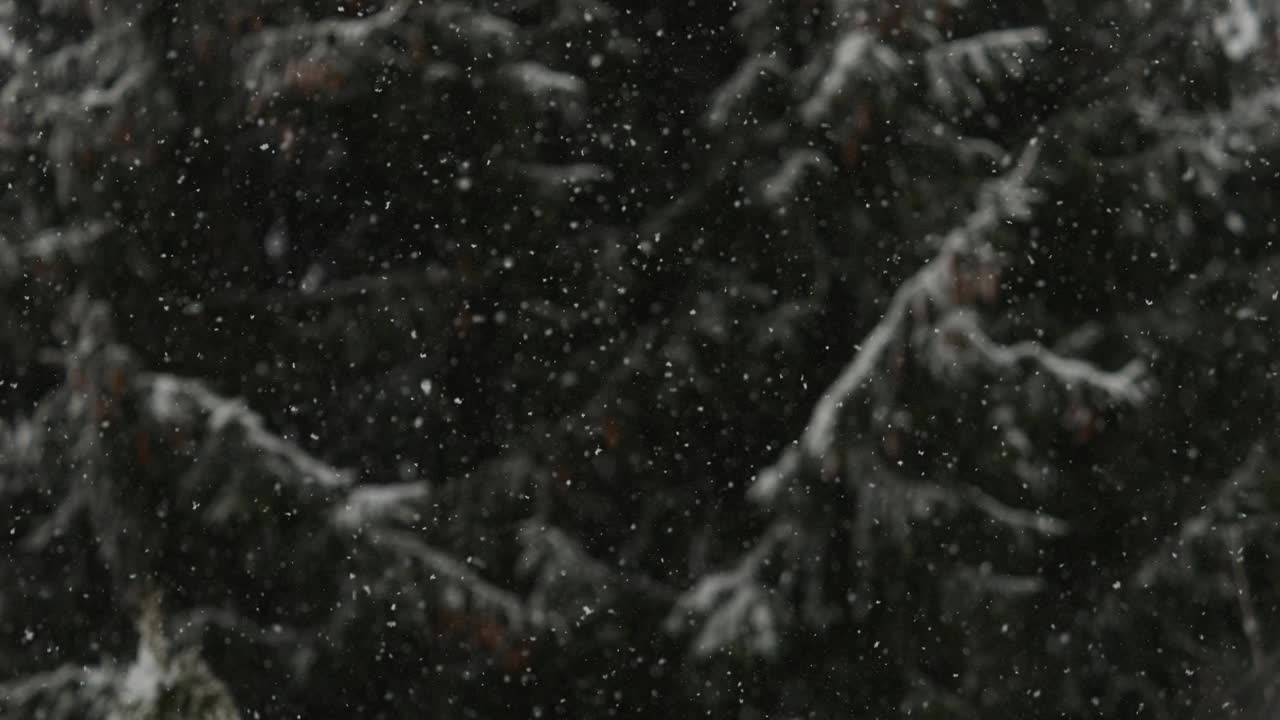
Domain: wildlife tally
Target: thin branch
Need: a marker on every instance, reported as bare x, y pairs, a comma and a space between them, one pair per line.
551, 543
1123, 384
455, 571
739, 86
1249, 624
1017, 518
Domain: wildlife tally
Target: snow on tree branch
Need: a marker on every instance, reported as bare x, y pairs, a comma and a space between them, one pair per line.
58, 98
857, 54
484, 31
1232, 516
160, 681
890, 504
1239, 28
79, 692
930, 287
557, 562
117, 67
1216, 142
312, 54
953, 66
739, 88
985, 581
1016, 518
376, 504
1005, 197
783, 184
961, 328
568, 176
460, 581
179, 400
540, 81
70, 242
734, 605
157, 685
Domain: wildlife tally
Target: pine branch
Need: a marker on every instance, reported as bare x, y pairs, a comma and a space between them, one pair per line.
780, 187
68, 692
1016, 518
1124, 385
177, 400
928, 286
732, 604
956, 68
542, 83
1226, 512
858, 54
312, 45
369, 505
740, 87
458, 575
557, 559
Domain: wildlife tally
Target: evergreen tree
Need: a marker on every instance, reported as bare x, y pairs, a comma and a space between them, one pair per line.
571, 358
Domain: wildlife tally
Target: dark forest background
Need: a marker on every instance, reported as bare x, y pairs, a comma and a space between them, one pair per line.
577, 358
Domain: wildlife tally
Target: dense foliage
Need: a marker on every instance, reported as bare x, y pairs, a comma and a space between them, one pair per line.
578, 358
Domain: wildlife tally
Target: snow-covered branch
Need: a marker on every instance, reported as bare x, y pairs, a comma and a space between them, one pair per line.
954, 66
301, 53
157, 682
733, 605
984, 581
459, 576
1240, 29
739, 88
1214, 142
858, 54
556, 559
928, 294
1227, 520
567, 176
930, 285
961, 327
1016, 518
369, 505
541, 82
77, 689
784, 182
178, 400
